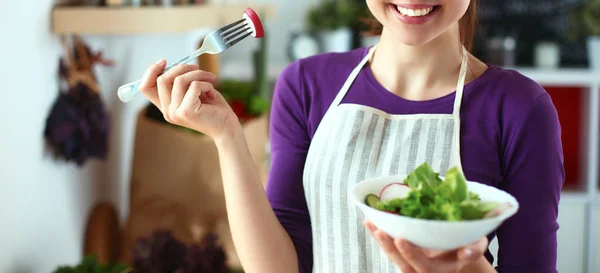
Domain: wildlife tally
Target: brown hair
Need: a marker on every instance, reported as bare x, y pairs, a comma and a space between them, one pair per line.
467, 25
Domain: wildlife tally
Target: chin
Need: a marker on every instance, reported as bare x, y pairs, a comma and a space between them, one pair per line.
411, 39
417, 22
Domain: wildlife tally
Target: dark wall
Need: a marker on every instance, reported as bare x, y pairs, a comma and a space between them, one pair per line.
531, 21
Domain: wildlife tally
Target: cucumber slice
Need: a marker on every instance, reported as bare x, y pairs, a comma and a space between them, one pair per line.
371, 200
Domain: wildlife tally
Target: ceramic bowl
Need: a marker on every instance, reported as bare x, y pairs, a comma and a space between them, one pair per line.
433, 234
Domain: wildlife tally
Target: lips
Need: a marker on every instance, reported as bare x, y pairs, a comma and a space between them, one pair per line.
414, 13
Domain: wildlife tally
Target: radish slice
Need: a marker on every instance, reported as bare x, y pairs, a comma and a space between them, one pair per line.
253, 21
394, 190
391, 212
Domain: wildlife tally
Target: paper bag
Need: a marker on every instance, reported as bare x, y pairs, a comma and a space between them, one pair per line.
176, 183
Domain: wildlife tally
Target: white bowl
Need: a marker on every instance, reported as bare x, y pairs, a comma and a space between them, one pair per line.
432, 234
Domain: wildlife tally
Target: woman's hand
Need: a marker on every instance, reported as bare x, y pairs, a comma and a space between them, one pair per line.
186, 97
412, 259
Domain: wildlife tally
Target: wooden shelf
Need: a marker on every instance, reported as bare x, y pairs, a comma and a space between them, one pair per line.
562, 77
559, 77
148, 20
569, 197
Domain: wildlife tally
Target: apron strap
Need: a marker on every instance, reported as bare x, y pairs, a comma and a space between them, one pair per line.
460, 85
456, 112
342, 93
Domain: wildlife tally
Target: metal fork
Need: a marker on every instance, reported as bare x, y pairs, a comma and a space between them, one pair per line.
214, 43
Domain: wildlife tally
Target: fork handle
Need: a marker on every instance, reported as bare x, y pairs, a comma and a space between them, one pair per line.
128, 91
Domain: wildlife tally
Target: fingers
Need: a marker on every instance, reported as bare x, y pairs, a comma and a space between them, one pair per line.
370, 227
191, 103
148, 83
411, 258
473, 251
165, 84
413, 255
436, 253
387, 244
182, 83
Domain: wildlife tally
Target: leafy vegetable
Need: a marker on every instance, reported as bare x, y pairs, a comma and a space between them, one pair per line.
89, 264
436, 199
423, 174
164, 253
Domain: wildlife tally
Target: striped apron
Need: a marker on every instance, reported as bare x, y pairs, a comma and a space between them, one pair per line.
356, 142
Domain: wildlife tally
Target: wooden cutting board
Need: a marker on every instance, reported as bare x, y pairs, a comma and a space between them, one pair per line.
102, 234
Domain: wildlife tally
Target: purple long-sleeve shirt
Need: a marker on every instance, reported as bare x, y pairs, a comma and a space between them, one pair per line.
510, 139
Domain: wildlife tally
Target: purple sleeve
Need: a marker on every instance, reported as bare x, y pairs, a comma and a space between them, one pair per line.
289, 146
534, 175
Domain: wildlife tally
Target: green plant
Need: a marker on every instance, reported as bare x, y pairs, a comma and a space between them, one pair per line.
89, 264
586, 19
332, 15
244, 98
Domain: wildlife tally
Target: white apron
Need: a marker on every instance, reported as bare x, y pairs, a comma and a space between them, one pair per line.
356, 142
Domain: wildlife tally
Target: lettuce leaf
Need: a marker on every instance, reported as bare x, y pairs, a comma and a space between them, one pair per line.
436, 199
423, 176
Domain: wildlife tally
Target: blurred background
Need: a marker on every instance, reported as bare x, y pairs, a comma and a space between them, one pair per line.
91, 183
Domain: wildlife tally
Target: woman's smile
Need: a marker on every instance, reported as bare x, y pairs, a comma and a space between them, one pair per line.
414, 13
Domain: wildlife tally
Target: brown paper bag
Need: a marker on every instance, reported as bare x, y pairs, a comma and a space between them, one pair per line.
176, 183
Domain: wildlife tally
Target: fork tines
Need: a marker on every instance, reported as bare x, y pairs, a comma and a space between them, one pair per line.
231, 33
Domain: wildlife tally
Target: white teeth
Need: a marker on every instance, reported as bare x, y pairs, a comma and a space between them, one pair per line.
414, 12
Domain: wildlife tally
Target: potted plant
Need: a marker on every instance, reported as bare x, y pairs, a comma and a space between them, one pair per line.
331, 21
587, 22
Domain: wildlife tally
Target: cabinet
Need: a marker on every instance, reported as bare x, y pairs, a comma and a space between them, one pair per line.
572, 245
578, 241
571, 237
596, 236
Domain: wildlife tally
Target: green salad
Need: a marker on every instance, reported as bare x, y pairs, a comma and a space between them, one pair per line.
423, 194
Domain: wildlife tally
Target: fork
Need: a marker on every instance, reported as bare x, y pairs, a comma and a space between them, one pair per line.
214, 43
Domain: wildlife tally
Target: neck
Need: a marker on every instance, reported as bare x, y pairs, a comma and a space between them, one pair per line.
418, 72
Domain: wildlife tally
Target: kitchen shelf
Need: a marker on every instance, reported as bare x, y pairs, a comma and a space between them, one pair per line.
576, 77
148, 20
562, 77
574, 197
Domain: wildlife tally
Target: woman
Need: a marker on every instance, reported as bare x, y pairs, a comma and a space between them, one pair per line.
338, 118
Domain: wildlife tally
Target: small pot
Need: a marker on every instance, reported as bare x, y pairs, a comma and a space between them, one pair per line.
339, 40
547, 55
501, 51
594, 52
303, 44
